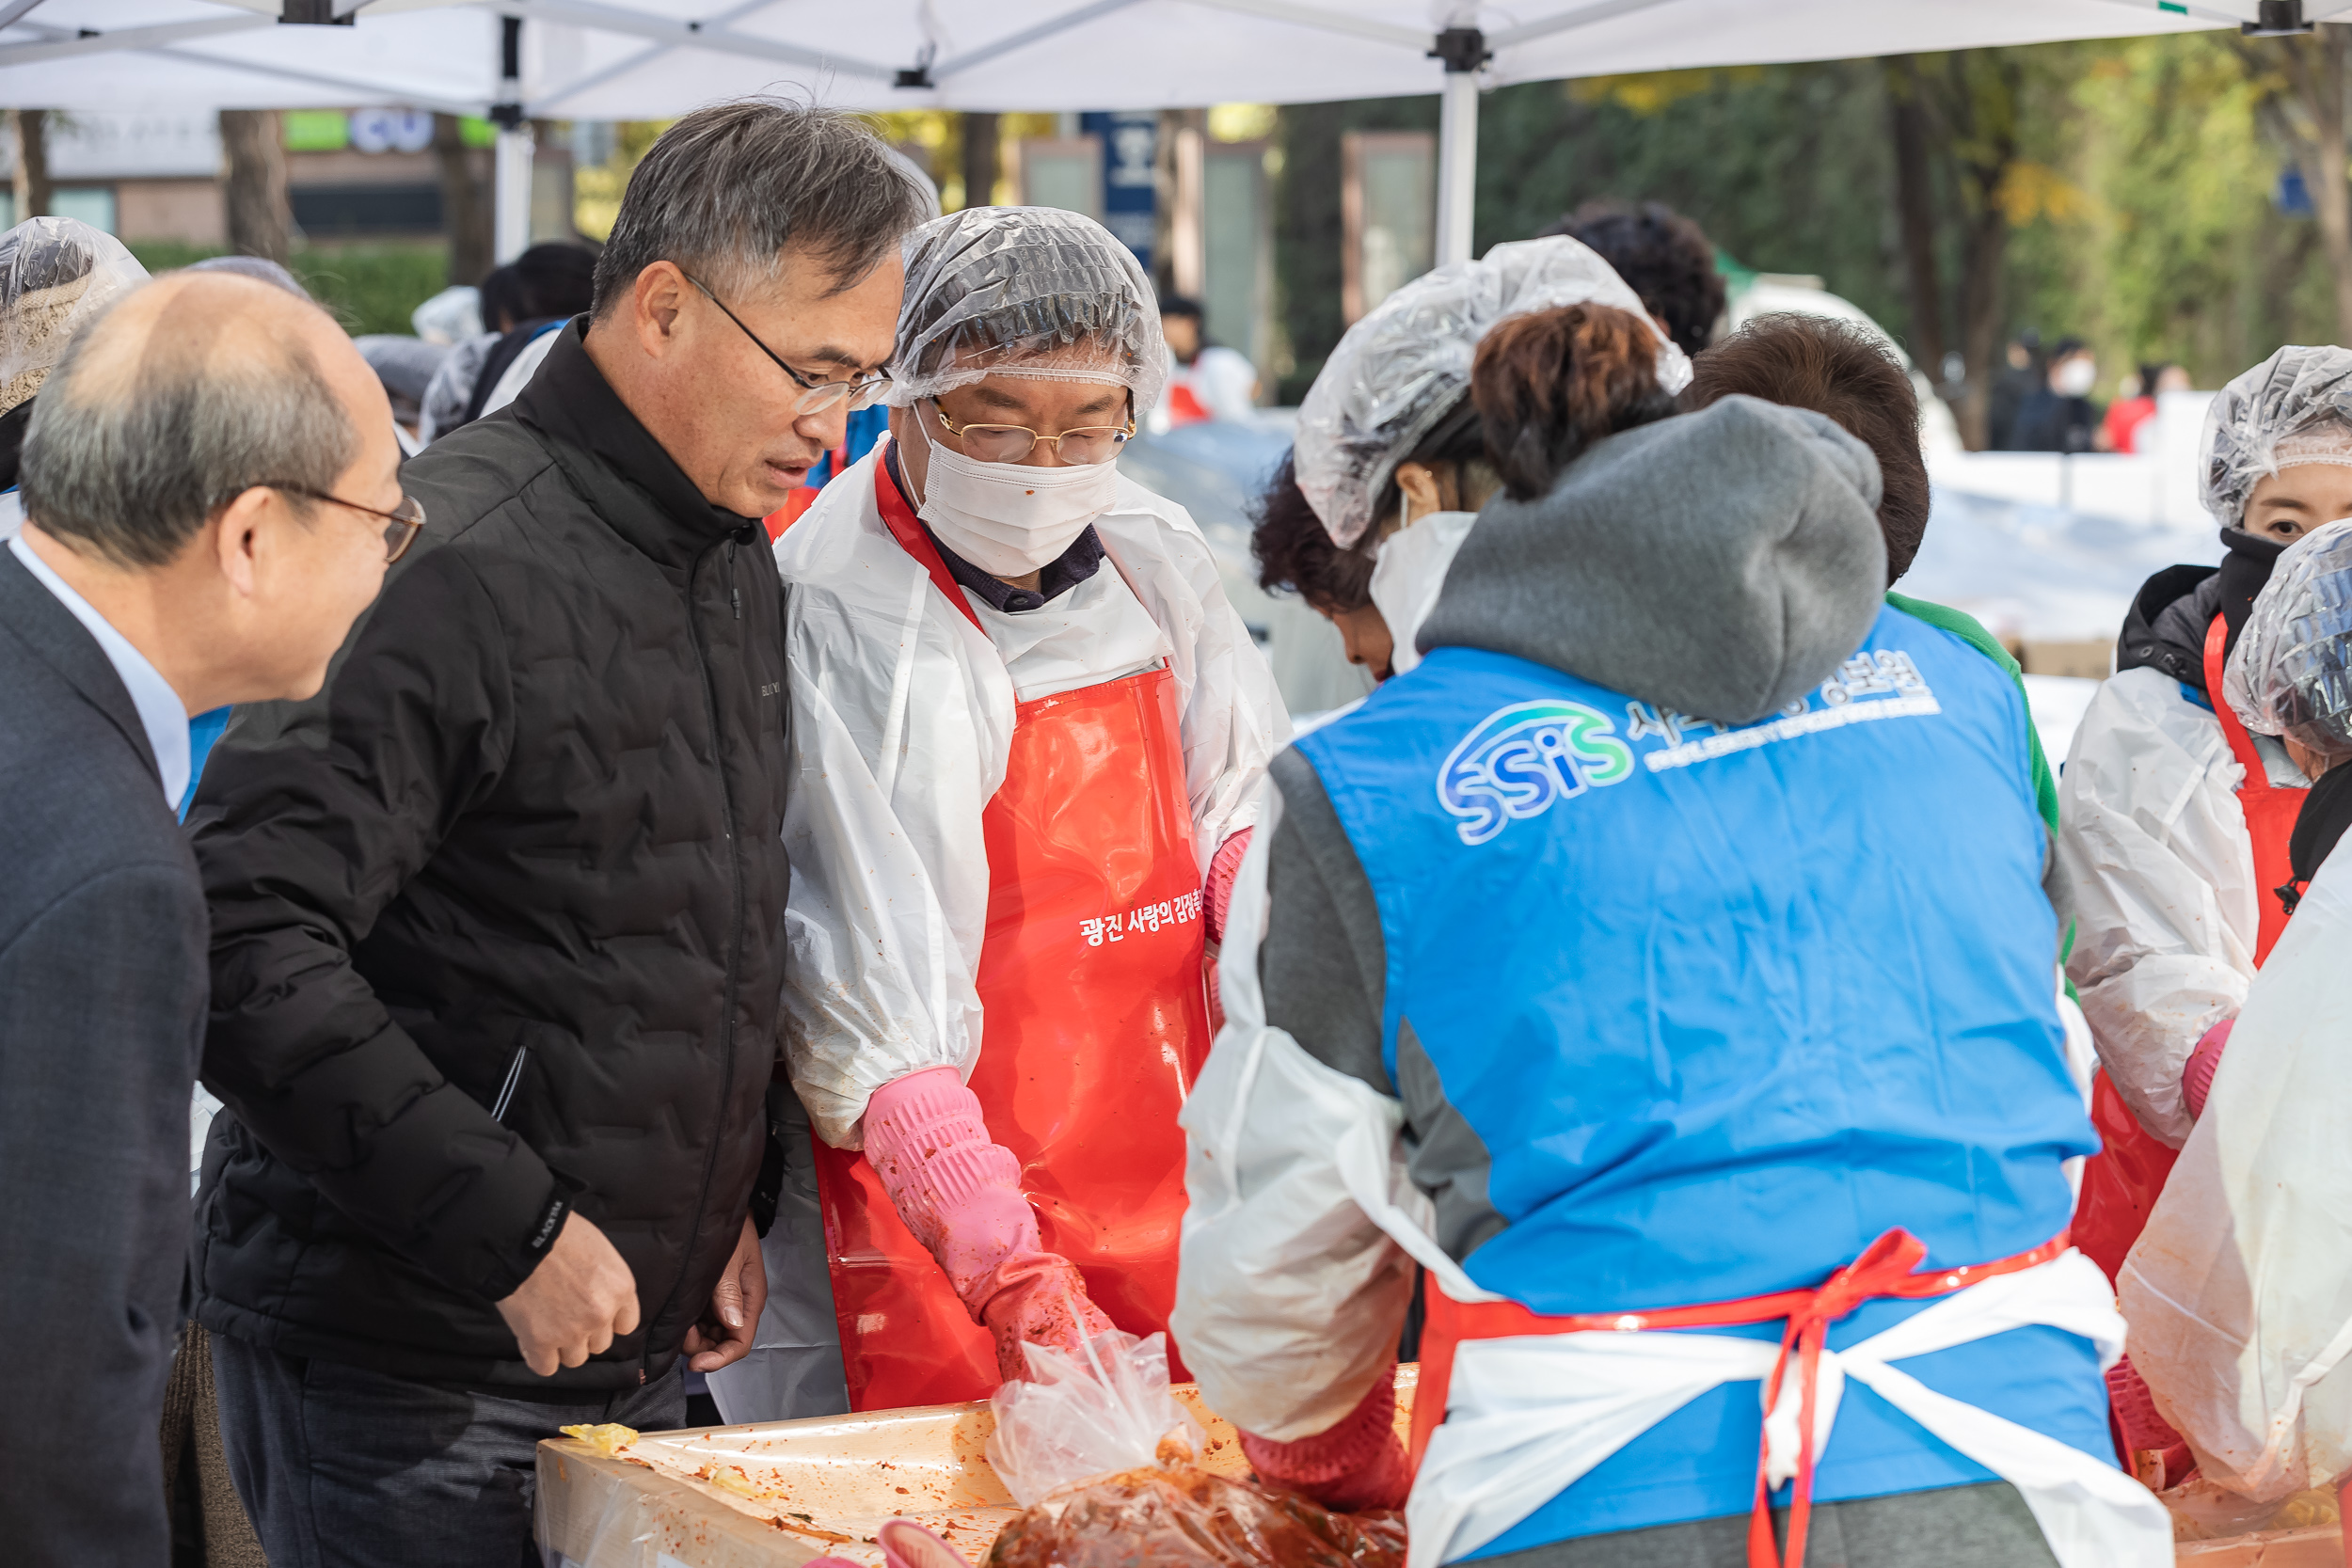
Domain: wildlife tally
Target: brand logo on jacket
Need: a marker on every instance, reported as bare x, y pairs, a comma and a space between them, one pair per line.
1522, 758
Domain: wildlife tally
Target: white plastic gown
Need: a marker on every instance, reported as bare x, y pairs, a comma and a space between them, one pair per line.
902, 719
2156, 856
2239, 1302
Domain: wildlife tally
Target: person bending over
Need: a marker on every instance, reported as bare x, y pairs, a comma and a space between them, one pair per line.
1666, 952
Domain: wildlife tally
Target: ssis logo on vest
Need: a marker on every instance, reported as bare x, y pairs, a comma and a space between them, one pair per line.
1522, 758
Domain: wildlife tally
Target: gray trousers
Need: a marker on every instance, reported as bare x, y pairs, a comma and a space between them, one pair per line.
341, 1468
1987, 1526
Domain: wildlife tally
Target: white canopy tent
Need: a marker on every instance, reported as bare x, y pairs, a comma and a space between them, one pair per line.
637, 59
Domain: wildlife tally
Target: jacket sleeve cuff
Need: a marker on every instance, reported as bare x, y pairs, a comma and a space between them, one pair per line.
501, 1273
497, 1284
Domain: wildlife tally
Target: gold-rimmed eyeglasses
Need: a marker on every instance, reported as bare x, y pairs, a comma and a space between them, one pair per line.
1010, 443
815, 396
400, 525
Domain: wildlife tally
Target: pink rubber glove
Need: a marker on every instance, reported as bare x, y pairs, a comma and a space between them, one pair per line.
1219, 889
960, 1194
1358, 1463
2197, 1076
2144, 1430
908, 1545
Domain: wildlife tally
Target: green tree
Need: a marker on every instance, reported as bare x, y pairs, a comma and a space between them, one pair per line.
2162, 240
2120, 191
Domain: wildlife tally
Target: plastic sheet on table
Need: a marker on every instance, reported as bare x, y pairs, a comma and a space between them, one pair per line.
790, 1490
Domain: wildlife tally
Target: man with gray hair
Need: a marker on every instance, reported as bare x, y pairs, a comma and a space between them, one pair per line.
497, 932
212, 492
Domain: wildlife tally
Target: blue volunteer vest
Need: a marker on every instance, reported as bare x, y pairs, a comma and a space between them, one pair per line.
1726, 1003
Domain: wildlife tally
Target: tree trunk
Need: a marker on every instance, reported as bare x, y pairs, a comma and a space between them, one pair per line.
2316, 69
980, 165
466, 216
34, 194
254, 142
1986, 86
1980, 322
1914, 207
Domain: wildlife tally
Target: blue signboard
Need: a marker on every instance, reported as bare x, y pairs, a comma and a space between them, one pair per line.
1131, 141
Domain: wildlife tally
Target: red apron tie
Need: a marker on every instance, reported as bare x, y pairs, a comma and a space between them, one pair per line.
2270, 810
1886, 1269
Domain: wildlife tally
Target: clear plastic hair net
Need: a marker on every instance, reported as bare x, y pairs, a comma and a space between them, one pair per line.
2294, 407
449, 317
1402, 368
1025, 292
2291, 673
55, 274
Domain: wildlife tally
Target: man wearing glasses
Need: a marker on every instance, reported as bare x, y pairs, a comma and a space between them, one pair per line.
212, 491
498, 928
1030, 730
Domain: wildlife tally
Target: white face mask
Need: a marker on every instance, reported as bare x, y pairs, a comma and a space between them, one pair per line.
1409, 573
2077, 377
1011, 520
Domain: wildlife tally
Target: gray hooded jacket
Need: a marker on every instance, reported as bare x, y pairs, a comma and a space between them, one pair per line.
1719, 563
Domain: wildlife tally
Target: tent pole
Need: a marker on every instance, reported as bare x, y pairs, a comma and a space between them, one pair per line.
1463, 50
511, 234
510, 229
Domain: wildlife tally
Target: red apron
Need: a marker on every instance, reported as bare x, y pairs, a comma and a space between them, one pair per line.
1097, 1023
2122, 1182
1883, 1270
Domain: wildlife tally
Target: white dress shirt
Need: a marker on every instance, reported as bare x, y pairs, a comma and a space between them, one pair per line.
161, 713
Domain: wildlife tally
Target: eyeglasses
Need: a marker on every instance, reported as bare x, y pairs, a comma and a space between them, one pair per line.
1010, 443
815, 396
400, 525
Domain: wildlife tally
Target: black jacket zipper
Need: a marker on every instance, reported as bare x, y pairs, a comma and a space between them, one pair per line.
735, 945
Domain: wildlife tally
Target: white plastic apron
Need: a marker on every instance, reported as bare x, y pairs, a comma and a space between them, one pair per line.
1528, 1417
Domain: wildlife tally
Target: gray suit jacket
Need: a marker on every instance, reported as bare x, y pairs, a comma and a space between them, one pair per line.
103, 981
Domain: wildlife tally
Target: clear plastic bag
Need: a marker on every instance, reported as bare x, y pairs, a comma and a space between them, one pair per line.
1098, 1454
1089, 1414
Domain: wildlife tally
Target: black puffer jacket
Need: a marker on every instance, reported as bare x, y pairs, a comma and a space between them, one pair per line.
2166, 628
498, 926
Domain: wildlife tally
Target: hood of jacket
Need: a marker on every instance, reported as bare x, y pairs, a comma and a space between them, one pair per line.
2166, 628
1719, 563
